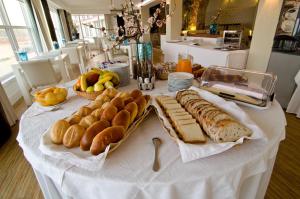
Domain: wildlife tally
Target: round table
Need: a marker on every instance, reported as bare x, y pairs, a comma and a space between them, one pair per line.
241, 172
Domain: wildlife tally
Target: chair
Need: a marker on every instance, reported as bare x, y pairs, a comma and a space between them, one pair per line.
77, 57
110, 53
60, 62
294, 104
236, 60
33, 74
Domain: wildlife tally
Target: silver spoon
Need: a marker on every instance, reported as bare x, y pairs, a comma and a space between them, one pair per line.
157, 142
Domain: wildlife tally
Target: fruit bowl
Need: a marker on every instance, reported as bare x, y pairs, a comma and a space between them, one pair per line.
91, 84
50, 96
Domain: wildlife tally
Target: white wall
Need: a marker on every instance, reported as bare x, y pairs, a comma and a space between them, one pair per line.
174, 22
263, 34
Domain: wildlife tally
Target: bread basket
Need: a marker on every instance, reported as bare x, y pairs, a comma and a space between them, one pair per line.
89, 96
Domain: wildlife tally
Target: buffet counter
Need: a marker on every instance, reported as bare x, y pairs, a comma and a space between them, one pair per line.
242, 172
204, 53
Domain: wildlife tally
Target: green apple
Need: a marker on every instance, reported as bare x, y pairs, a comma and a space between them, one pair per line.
108, 84
90, 89
98, 87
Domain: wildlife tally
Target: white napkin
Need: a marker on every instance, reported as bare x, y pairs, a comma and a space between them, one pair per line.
37, 109
75, 156
191, 152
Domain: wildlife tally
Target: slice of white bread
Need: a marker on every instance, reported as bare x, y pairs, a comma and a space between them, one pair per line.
178, 110
169, 101
171, 106
183, 122
181, 117
179, 113
191, 133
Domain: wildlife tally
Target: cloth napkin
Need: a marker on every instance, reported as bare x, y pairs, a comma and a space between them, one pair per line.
190, 152
38, 109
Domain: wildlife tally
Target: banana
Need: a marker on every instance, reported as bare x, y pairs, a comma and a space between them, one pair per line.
83, 83
104, 79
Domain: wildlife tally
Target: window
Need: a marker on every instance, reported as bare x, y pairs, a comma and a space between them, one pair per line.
57, 26
88, 26
16, 32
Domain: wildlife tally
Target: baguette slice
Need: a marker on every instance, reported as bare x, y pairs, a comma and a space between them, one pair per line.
185, 98
191, 133
228, 131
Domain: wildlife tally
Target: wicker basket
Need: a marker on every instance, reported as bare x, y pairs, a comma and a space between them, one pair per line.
89, 96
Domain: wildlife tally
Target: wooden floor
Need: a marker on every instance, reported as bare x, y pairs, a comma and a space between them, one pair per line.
17, 179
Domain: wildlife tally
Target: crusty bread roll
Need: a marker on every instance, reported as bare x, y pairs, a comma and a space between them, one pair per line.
97, 113
74, 119
128, 100
73, 136
104, 138
147, 97
58, 131
104, 98
110, 92
117, 102
91, 132
136, 93
109, 113
141, 103
132, 108
87, 121
84, 111
121, 119
95, 104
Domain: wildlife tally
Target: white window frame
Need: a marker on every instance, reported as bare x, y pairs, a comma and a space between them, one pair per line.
9, 29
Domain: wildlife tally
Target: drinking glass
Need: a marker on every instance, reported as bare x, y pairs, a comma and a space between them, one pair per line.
184, 63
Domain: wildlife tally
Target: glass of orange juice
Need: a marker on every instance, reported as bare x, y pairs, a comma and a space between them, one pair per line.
184, 63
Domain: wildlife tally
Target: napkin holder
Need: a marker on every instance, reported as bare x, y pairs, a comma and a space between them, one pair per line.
249, 88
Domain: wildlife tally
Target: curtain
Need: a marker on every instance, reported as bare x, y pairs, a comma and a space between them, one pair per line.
7, 107
40, 15
49, 20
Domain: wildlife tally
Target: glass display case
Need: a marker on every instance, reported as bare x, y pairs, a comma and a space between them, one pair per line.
242, 86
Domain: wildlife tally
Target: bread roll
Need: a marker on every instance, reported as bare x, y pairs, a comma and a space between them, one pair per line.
58, 131
97, 113
141, 103
147, 97
117, 102
123, 95
132, 108
136, 93
91, 132
103, 98
73, 136
84, 111
95, 104
87, 121
104, 138
74, 119
110, 92
121, 119
109, 113
128, 100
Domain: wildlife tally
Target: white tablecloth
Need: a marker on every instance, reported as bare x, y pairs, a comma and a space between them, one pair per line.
241, 172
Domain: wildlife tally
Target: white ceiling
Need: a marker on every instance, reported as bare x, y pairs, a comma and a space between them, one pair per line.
89, 6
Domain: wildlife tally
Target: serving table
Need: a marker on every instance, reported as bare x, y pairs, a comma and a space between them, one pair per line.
241, 172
